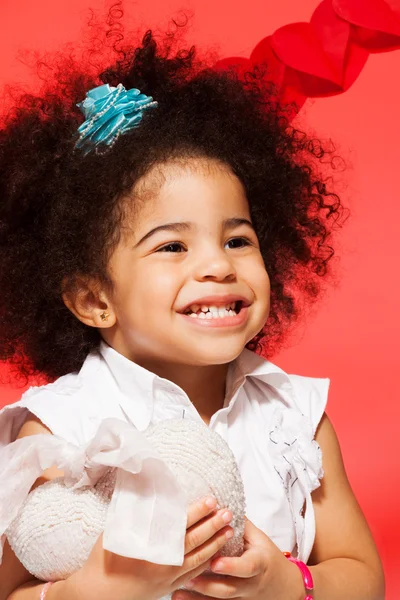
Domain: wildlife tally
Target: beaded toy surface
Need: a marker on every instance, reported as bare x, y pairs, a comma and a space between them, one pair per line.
58, 526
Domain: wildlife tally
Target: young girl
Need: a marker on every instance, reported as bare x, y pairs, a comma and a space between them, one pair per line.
145, 254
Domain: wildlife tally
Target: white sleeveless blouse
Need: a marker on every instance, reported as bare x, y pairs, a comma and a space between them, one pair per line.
268, 420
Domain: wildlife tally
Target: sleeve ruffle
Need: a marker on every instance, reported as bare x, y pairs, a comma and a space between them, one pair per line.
147, 504
297, 460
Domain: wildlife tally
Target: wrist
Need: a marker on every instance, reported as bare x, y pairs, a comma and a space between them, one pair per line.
305, 575
286, 580
63, 590
297, 589
55, 591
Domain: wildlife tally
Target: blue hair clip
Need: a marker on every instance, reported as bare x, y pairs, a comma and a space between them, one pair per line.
109, 113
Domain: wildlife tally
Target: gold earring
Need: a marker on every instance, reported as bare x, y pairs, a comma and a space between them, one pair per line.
104, 316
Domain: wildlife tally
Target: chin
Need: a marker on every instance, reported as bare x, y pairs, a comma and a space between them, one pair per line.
218, 354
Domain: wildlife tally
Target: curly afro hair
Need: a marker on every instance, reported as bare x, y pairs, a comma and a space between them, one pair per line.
61, 212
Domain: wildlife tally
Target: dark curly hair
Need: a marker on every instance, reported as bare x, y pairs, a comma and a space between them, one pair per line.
60, 211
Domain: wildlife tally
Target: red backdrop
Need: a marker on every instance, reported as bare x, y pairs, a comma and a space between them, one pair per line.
352, 337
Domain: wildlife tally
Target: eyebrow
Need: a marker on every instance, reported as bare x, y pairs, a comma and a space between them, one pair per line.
186, 226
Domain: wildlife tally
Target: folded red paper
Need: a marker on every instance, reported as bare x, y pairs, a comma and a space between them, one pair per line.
325, 56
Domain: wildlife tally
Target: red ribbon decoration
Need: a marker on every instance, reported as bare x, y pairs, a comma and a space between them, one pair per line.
325, 56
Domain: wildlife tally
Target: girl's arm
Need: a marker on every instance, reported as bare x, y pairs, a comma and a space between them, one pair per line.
345, 558
16, 583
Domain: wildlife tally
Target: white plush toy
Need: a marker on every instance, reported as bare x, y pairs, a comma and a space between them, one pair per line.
58, 523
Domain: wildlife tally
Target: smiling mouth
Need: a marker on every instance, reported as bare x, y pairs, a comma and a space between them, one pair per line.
214, 312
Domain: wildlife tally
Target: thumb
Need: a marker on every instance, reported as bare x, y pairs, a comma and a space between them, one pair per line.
253, 535
250, 530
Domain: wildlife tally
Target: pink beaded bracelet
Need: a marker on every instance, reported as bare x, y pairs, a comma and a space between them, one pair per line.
45, 589
306, 574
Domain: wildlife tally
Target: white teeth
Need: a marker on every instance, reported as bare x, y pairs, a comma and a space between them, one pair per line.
215, 310
213, 315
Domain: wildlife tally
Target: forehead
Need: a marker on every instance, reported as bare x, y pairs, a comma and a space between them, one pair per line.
181, 187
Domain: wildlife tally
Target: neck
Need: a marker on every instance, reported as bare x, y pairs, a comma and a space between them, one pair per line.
205, 386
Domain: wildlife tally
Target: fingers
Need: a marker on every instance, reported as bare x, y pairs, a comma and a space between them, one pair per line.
203, 552
217, 587
181, 581
207, 535
204, 530
246, 566
199, 510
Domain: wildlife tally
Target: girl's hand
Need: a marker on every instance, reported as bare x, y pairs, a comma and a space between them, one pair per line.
106, 575
261, 573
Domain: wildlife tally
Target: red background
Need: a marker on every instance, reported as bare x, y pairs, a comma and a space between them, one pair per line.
352, 338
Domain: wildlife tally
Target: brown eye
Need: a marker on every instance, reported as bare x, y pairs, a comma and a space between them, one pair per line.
238, 242
172, 247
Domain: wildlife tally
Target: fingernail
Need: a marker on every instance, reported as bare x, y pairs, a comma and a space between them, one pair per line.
190, 584
218, 566
211, 502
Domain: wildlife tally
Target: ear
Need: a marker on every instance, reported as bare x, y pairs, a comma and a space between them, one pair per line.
87, 300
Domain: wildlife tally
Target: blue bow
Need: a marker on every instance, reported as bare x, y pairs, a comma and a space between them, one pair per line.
110, 112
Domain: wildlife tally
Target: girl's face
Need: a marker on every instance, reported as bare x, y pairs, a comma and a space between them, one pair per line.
192, 246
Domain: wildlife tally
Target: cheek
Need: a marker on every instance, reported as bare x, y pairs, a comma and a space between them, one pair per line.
267, 284
152, 287
262, 290
264, 296
258, 278
265, 293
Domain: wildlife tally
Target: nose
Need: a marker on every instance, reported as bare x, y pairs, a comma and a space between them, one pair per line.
214, 264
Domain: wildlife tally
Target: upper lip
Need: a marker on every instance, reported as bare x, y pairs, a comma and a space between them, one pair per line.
217, 300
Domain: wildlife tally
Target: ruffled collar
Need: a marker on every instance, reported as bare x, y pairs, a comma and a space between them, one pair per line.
250, 364
136, 381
